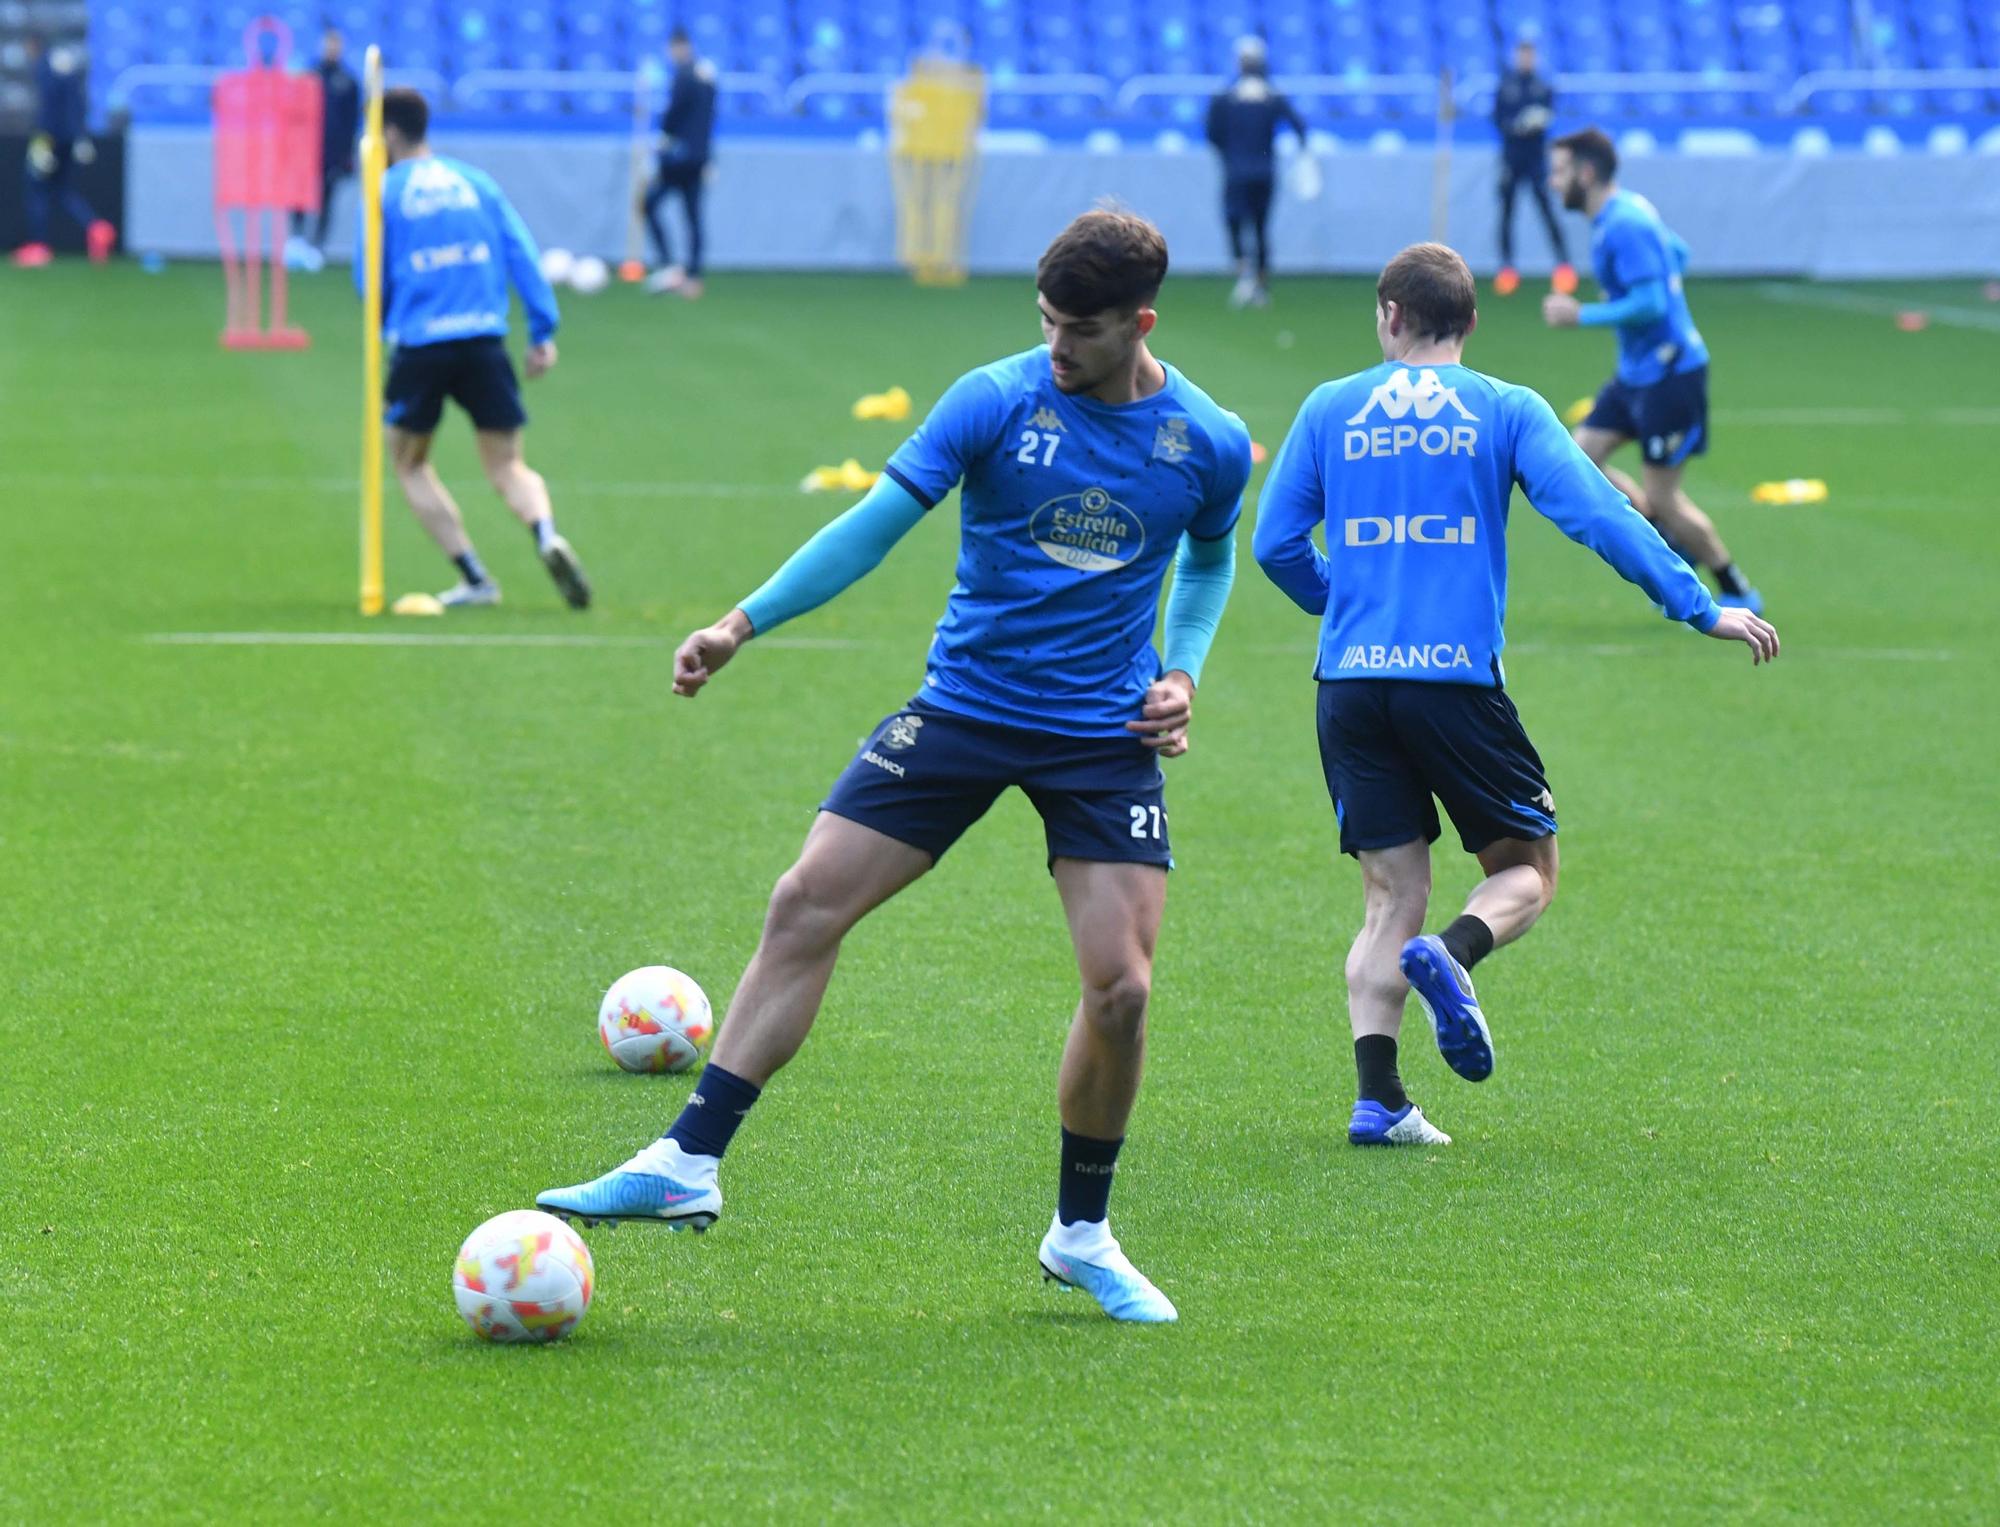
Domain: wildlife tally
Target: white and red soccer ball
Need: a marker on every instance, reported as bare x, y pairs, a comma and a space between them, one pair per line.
655, 1019
523, 1276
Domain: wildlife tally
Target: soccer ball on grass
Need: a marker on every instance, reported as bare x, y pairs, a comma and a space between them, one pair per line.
655, 1019
523, 1276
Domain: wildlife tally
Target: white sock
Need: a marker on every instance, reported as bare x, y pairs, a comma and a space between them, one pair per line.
1088, 1240
545, 532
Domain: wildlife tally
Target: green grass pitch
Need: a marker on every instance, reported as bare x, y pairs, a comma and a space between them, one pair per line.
303, 946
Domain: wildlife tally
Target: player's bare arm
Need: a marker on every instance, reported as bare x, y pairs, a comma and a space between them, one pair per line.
703, 654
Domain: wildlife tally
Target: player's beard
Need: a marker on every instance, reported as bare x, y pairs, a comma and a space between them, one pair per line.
1573, 198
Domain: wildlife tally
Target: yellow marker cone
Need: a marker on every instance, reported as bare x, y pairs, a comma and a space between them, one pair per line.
417, 604
1793, 490
893, 404
1578, 411
850, 477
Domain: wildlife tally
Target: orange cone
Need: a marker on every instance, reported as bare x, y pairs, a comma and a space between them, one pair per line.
1563, 280
1507, 282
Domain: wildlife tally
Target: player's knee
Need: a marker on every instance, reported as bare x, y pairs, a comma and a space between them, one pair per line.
1116, 1005
806, 912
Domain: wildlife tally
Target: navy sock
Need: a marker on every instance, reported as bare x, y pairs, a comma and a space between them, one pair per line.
1375, 1067
1730, 576
714, 1110
1468, 940
1087, 1165
469, 568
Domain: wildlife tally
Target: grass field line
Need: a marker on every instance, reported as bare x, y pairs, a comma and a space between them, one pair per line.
122, 482
467, 639
853, 644
1839, 299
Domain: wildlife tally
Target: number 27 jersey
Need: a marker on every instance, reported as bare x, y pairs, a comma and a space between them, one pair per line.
1071, 513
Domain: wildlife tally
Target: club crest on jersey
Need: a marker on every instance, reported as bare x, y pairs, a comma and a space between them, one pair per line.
900, 735
1090, 531
1170, 441
1402, 397
1048, 421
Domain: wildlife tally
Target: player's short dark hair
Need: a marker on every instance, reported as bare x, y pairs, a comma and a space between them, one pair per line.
1592, 146
1432, 285
408, 112
677, 36
1104, 260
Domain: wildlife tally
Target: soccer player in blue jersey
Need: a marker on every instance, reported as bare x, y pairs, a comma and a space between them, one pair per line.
1659, 395
451, 243
1088, 466
1409, 466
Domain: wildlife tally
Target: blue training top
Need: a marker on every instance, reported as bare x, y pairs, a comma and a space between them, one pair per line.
1411, 472
451, 241
1630, 247
1071, 514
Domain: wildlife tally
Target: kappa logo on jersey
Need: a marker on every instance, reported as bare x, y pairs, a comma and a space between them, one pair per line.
434, 186
1397, 399
1090, 531
1170, 441
1420, 655
1048, 421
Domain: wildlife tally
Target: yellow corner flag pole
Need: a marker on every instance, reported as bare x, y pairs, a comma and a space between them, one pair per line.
374, 157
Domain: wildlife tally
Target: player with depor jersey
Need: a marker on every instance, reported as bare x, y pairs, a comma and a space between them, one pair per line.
1409, 467
451, 243
1659, 395
1088, 466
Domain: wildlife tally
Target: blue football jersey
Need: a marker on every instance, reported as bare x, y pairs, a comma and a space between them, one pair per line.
451, 242
1071, 513
1630, 245
1410, 473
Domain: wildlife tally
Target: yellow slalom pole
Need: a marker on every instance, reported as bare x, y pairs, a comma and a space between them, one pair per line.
374, 165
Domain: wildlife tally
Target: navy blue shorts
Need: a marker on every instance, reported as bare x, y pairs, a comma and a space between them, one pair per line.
474, 373
1389, 745
1669, 419
926, 775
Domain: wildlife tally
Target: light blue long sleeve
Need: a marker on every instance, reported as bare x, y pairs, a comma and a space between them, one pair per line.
844, 551
1292, 503
1645, 303
1204, 571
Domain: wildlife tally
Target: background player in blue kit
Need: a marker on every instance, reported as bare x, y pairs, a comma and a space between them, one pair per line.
1088, 466
1409, 467
1659, 396
451, 243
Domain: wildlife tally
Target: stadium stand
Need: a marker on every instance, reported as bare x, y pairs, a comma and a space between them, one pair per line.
1066, 68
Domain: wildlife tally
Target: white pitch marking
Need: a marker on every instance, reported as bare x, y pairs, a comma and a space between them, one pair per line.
464, 639
126, 482
1841, 300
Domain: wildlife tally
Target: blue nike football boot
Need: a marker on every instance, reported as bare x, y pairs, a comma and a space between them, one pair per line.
662, 1185
1445, 989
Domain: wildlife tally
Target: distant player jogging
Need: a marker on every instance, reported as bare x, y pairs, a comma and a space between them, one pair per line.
1659, 396
451, 242
1409, 467
1088, 466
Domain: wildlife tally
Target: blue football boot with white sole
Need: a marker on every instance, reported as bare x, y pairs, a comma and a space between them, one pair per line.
1445, 989
1373, 1124
1093, 1263
661, 1185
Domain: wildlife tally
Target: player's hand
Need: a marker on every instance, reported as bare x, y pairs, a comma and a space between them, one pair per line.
1168, 709
85, 151
706, 650
1559, 311
1758, 634
540, 359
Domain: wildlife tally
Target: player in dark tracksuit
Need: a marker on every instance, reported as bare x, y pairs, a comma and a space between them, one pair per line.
686, 130
59, 143
340, 126
1523, 106
1243, 123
